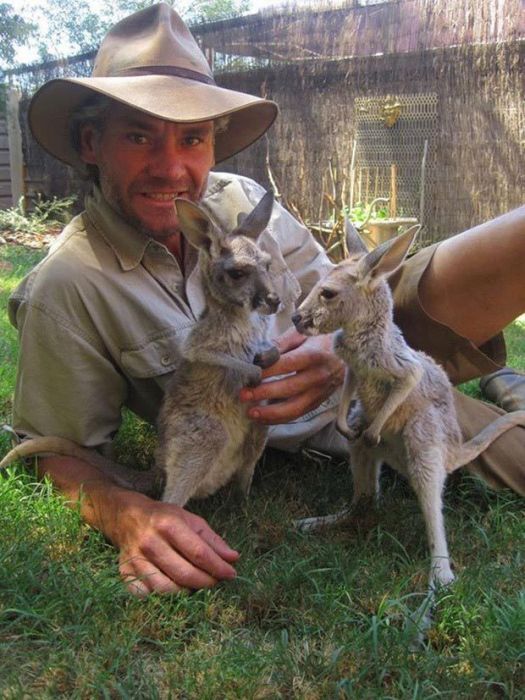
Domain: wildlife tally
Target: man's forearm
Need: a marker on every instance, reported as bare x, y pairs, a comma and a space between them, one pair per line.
100, 500
162, 547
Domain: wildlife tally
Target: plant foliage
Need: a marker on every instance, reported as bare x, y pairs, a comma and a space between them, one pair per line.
46, 214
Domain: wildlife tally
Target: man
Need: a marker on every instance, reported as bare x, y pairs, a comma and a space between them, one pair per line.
102, 317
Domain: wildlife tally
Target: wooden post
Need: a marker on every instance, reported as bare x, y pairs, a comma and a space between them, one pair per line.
14, 137
352, 176
393, 191
422, 186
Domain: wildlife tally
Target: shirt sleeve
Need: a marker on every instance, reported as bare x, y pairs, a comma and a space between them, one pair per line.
304, 256
65, 384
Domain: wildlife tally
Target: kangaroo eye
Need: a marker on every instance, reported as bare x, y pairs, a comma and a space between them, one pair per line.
236, 274
328, 294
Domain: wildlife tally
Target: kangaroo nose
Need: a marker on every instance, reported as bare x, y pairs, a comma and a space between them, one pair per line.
296, 318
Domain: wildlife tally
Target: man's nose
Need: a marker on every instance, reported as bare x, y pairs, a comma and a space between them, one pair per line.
168, 160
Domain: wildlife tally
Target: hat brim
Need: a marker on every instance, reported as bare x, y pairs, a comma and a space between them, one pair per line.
164, 96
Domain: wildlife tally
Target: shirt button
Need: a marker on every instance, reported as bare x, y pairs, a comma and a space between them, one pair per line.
165, 360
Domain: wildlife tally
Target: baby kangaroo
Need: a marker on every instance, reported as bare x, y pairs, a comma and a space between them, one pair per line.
404, 412
205, 437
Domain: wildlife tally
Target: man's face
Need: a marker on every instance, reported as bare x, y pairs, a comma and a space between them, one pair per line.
145, 162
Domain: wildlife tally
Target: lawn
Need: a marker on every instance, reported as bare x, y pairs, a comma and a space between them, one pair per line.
310, 615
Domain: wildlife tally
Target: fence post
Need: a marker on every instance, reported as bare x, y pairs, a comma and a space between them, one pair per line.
14, 139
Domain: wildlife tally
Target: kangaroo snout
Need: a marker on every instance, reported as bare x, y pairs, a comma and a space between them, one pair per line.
296, 319
302, 322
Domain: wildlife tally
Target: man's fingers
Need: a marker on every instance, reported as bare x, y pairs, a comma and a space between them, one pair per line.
216, 542
142, 577
136, 587
188, 569
194, 549
289, 386
288, 410
289, 340
296, 361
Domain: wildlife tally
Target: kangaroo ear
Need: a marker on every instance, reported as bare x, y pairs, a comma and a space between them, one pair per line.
257, 220
354, 242
194, 224
386, 258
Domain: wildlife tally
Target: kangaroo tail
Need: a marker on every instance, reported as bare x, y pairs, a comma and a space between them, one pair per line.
149, 482
475, 446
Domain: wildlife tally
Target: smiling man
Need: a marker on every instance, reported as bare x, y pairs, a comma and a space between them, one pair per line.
144, 163
102, 317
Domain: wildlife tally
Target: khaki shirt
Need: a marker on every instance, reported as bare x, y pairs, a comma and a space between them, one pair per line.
102, 317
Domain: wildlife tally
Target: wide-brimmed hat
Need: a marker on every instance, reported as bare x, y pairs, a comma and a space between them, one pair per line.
151, 62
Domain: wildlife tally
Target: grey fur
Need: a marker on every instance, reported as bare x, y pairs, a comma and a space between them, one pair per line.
402, 408
205, 436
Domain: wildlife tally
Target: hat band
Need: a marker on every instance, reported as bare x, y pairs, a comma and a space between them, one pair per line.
168, 70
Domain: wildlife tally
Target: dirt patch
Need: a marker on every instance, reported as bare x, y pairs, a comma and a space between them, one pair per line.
30, 240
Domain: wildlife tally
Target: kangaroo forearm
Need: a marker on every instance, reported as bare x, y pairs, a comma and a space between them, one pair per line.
85, 488
346, 399
400, 390
223, 360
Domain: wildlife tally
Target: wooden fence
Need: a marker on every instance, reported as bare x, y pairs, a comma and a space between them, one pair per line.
436, 118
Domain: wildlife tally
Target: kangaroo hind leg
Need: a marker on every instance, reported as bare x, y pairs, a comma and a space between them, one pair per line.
250, 452
189, 458
427, 477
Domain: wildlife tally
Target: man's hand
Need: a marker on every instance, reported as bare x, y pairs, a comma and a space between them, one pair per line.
313, 374
164, 548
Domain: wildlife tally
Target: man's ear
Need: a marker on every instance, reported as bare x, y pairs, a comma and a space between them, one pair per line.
194, 224
88, 144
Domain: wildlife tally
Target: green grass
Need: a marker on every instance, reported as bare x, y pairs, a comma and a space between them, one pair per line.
309, 616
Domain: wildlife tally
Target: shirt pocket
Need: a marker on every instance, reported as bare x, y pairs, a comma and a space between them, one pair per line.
154, 357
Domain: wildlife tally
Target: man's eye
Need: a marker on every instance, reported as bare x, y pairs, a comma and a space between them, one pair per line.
236, 274
192, 140
138, 139
328, 294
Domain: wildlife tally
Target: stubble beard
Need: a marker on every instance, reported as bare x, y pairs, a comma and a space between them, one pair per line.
116, 201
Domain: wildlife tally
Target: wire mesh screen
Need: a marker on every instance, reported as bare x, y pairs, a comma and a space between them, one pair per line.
394, 157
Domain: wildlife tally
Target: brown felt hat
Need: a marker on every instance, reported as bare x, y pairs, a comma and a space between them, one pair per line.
151, 62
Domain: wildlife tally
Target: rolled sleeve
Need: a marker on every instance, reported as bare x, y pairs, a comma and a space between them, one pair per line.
304, 256
65, 385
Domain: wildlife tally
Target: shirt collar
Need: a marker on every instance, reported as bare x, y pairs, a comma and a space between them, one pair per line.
128, 244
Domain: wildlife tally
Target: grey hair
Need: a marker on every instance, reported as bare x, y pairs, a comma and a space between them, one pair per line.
94, 112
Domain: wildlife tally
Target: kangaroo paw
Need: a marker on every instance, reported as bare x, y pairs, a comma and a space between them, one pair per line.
267, 358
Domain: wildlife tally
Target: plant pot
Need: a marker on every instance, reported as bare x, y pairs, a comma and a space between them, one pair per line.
377, 231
